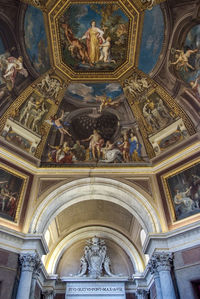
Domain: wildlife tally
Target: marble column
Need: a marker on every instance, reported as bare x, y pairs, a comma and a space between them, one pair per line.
48, 294
163, 261
28, 263
36, 274
153, 269
141, 294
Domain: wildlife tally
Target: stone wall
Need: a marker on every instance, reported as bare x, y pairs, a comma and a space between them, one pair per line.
187, 272
8, 273
60, 296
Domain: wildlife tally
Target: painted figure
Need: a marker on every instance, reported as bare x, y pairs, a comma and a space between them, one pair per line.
111, 153
79, 151
135, 148
4, 196
107, 102
14, 66
95, 145
125, 148
196, 87
105, 51
151, 120
183, 203
25, 112
63, 154
94, 39
76, 47
182, 60
56, 122
50, 87
38, 116
136, 84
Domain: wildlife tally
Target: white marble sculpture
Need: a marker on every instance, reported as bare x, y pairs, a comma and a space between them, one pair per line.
95, 263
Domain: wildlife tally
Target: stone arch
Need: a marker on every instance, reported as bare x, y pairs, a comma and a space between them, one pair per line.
102, 232
90, 189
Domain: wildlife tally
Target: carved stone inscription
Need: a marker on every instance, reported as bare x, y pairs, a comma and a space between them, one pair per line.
95, 290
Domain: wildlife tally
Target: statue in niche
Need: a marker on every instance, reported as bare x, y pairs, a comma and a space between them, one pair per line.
95, 263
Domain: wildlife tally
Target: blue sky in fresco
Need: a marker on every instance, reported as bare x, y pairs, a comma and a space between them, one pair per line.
88, 92
192, 42
152, 39
34, 33
87, 14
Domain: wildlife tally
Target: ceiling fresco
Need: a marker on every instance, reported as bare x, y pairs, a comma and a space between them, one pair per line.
152, 39
91, 35
94, 38
186, 60
95, 102
36, 40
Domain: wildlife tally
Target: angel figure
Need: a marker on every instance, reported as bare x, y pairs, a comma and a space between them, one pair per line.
56, 121
13, 66
182, 59
107, 102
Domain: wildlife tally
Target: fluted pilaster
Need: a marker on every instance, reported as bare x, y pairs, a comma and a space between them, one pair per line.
160, 264
30, 263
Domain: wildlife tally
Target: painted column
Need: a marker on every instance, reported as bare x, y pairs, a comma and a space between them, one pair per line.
48, 294
141, 294
163, 262
154, 272
28, 263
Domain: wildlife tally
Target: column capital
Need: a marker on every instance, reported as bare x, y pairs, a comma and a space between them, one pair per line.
30, 262
152, 265
160, 261
48, 293
141, 293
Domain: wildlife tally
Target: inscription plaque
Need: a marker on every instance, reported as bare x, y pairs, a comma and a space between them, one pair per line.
95, 289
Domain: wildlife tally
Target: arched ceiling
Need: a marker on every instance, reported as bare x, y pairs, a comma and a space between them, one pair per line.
85, 215
95, 212
88, 89
84, 84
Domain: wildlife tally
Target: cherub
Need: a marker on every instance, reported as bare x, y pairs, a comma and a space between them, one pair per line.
105, 51
107, 102
182, 59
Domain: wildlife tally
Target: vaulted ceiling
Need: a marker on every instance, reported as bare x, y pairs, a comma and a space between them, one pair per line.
91, 87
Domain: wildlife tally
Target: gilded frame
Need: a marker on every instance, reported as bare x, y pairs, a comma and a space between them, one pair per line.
17, 175
135, 26
169, 193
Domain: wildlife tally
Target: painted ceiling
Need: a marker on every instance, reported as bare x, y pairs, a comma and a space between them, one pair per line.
79, 87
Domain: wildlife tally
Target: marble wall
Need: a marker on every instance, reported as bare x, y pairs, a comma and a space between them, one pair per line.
8, 273
187, 269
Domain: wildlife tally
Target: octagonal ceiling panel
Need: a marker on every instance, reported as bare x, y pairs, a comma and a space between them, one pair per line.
94, 40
